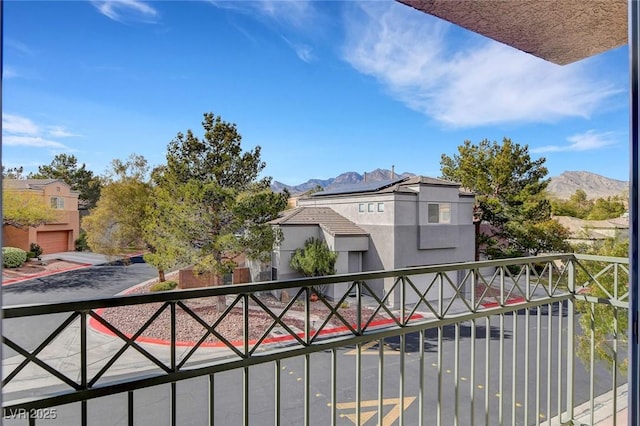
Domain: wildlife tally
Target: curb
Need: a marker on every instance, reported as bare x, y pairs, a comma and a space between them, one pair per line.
44, 274
100, 328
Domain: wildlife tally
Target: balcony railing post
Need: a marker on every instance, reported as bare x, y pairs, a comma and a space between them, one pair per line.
571, 278
634, 204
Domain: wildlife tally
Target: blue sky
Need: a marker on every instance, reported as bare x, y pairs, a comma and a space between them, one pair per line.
323, 87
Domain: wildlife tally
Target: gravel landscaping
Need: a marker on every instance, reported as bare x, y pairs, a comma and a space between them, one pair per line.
129, 319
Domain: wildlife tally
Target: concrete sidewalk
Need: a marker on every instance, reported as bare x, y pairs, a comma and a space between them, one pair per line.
603, 413
84, 257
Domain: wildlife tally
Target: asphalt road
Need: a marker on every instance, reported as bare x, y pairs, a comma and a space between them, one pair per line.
87, 283
152, 406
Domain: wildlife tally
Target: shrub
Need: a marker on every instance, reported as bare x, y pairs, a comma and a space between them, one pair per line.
81, 242
164, 286
36, 249
13, 257
30, 255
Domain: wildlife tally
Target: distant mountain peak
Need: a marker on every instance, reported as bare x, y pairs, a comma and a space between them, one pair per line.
346, 178
593, 184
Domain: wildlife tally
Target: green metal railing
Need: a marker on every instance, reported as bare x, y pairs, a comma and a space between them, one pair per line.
479, 343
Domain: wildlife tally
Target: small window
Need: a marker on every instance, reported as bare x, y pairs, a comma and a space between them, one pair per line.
361, 208
371, 210
380, 207
57, 203
439, 213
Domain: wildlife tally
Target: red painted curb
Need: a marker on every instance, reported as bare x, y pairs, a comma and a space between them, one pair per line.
512, 301
43, 274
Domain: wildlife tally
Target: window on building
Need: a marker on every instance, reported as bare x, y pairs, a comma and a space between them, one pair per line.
57, 203
370, 208
439, 213
380, 207
361, 208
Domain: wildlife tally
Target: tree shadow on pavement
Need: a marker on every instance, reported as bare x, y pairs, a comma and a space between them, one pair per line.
412, 341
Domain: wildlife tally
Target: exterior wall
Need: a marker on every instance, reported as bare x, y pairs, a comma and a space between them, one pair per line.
293, 237
68, 219
14, 237
401, 236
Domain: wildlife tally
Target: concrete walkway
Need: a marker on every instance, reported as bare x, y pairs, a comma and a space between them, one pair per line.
85, 257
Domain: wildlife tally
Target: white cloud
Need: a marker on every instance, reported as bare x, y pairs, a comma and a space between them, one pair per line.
31, 141
586, 141
476, 83
17, 124
296, 13
303, 51
126, 10
9, 72
295, 18
22, 131
59, 132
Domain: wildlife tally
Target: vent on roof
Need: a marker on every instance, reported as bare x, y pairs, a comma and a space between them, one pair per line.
360, 187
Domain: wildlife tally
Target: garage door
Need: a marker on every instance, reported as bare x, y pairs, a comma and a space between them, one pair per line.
53, 241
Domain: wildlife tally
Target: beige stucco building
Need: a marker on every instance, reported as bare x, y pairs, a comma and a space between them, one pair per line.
53, 237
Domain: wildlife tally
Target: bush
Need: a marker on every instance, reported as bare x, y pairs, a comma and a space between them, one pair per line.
164, 286
35, 249
81, 242
31, 255
13, 257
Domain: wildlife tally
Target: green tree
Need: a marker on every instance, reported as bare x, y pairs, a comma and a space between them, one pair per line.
65, 167
509, 188
605, 317
117, 222
13, 173
608, 208
22, 209
315, 259
219, 207
576, 206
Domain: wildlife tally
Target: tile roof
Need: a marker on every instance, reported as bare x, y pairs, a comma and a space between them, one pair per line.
325, 217
28, 183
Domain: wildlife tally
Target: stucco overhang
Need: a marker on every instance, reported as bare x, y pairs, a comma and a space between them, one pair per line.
559, 31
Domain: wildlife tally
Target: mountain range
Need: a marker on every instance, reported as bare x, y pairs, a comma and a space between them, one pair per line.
562, 186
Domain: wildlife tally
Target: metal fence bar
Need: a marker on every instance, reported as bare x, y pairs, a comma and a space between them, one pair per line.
487, 351
421, 393
501, 363
381, 380
472, 374
245, 396
334, 385
549, 358
456, 374
592, 358
527, 345
212, 399
130, 408
403, 341
276, 391
439, 366
307, 388
174, 406
570, 340
538, 362
514, 371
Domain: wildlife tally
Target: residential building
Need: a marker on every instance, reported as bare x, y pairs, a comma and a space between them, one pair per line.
54, 237
593, 232
399, 223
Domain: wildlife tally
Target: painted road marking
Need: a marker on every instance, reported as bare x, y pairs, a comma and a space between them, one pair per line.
369, 345
365, 416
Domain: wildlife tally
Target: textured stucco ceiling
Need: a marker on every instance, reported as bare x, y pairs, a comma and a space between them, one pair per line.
560, 31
